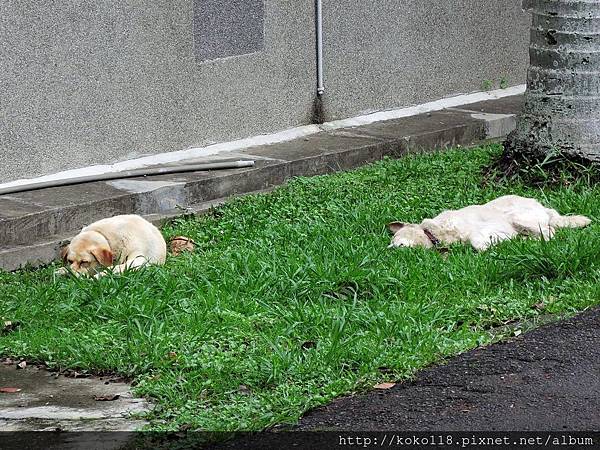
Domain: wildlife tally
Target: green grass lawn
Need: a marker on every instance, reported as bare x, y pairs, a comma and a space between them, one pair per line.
292, 298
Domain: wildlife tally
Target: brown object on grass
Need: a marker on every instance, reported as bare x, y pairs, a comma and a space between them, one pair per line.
180, 244
9, 326
9, 390
384, 386
106, 398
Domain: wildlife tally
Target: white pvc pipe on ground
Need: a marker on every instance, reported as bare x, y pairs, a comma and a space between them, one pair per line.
126, 174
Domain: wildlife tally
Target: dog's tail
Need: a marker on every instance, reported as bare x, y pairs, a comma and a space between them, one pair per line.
558, 221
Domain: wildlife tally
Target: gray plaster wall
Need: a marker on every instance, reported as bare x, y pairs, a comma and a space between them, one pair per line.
100, 81
385, 54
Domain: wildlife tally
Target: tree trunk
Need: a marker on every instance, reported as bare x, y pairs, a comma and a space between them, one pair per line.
562, 101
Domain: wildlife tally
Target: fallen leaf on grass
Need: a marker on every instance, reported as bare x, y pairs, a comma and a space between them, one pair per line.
106, 398
9, 390
244, 390
384, 385
70, 373
539, 306
309, 344
9, 326
185, 427
180, 244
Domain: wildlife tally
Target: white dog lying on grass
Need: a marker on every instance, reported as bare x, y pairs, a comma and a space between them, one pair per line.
484, 225
119, 243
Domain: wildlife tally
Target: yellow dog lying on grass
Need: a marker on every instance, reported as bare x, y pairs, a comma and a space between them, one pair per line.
119, 243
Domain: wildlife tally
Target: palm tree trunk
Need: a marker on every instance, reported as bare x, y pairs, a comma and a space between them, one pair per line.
562, 101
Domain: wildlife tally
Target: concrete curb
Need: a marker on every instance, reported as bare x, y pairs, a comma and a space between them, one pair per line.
33, 225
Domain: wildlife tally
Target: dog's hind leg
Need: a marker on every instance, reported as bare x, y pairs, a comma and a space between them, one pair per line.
537, 226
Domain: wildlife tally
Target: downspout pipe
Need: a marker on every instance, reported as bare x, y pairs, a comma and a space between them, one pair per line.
319, 32
127, 174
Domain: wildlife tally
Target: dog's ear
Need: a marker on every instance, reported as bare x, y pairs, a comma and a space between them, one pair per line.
63, 253
104, 256
395, 226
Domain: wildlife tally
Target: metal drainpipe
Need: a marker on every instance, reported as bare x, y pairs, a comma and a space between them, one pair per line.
319, 20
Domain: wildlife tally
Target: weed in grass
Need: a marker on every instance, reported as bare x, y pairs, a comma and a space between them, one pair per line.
487, 85
295, 296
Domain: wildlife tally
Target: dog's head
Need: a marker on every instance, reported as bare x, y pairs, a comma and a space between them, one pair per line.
87, 252
408, 235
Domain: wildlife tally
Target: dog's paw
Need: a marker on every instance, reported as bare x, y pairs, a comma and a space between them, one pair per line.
61, 272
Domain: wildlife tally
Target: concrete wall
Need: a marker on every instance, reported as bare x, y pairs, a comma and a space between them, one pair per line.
99, 81
384, 54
